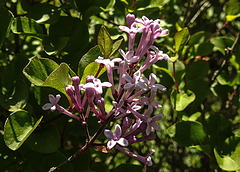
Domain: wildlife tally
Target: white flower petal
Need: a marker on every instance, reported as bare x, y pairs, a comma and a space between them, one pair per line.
128, 86
118, 131
47, 106
148, 129
108, 133
122, 142
53, 108
111, 144
52, 99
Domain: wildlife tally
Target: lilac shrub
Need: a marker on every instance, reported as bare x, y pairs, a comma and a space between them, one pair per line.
129, 92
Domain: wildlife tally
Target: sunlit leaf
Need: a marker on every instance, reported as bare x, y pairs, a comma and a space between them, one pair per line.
88, 58
60, 78
105, 42
45, 72
27, 26
181, 100
116, 45
228, 154
91, 69
181, 39
232, 17
18, 128
38, 70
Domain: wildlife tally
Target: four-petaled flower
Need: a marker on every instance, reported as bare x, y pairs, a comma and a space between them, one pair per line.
115, 137
151, 83
53, 102
133, 82
151, 103
151, 122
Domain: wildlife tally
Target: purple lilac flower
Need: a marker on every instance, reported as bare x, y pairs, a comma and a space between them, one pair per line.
53, 105
115, 138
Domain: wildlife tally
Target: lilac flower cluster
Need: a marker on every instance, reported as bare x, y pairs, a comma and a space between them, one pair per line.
127, 93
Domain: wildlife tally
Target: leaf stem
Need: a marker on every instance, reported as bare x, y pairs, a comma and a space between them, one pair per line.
175, 76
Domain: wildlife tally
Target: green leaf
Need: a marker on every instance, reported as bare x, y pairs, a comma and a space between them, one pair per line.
38, 69
68, 34
6, 19
18, 127
181, 39
199, 37
60, 78
203, 49
45, 72
221, 43
18, 99
27, 26
181, 100
57, 158
116, 45
232, 7
200, 88
7, 156
232, 17
44, 13
88, 58
198, 69
46, 140
228, 154
218, 128
105, 42
188, 133
91, 69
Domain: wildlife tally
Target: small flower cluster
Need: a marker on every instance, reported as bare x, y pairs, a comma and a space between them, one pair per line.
127, 93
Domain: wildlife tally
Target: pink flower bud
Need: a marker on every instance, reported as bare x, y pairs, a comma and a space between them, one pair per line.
69, 90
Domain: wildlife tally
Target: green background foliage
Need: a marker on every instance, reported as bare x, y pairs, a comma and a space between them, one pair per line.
46, 42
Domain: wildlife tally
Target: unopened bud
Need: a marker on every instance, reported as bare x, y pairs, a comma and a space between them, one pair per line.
69, 90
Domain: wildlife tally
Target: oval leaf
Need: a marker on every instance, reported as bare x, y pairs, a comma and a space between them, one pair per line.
91, 69
18, 127
181, 100
105, 43
188, 133
24, 25
60, 78
44, 13
6, 19
38, 69
18, 99
228, 154
88, 58
181, 38
46, 140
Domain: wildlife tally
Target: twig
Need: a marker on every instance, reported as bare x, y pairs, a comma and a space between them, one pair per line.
205, 4
227, 57
85, 147
224, 25
109, 21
